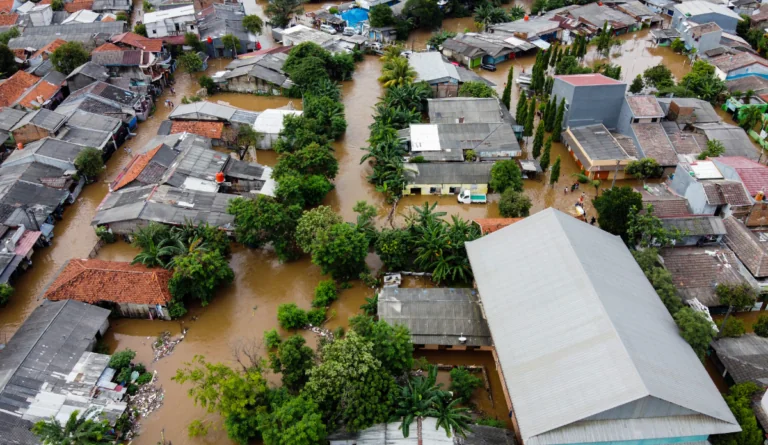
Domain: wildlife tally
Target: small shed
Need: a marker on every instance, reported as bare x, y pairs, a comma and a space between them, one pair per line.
437, 318
530, 168
270, 123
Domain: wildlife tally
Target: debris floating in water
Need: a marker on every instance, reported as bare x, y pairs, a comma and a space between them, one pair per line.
165, 344
148, 398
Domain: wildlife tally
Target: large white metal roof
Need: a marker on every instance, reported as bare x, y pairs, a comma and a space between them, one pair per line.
587, 349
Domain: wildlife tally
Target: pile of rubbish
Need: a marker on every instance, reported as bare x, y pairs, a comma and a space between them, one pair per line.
165, 344
148, 398
323, 332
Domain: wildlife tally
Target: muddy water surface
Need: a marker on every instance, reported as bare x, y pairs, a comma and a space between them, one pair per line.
244, 310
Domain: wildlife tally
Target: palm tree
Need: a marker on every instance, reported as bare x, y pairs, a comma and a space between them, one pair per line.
516, 13
423, 216
151, 234
410, 97
397, 72
391, 53
79, 430
452, 418
748, 96
417, 399
396, 117
750, 117
162, 254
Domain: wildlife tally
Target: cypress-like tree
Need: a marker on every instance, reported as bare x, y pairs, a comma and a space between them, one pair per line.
555, 175
545, 155
506, 97
549, 114
637, 85
548, 85
558, 126
529, 117
567, 51
522, 107
555, 53
545, 58
538, 140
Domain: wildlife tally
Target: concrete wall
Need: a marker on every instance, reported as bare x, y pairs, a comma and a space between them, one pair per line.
587, 105
684, 185
624, 122
186, 24
79, 81
444, 189
727, 23
130, 310
751, 70
706, 42
30, 133
248, 84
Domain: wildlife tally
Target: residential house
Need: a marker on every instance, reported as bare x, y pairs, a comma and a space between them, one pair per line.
130, 40
640, 12
530, 30
597, 15
269, 124
50, 354
490, 225
759, 18
37, 125
702, 38
437, 318
695, 230
139, 68
171, 22
640, 118
211, 130
447, 178
743, 358
749, 247
218, 20
100, 140
262, 74
696, 271
209, 111
48, 151
90, 121
443, 77
597, 151
300, 33
665, 202
82, 16
757, 84
384, 34
431, 433
9, 117
753, 175
127, 210
708, 192
147, 168
108, 100
113, 6
734, 66
78, 5
129, 290
447, 142
15, 87
746, 7
46, 93
41, 55
629, 357
688, 111
472, 49
90, 34
85, 75
733, 138
700, 11
664, 36
590, 99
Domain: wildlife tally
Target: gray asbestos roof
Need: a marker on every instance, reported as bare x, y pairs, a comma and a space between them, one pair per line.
696, 225
734, 139
9, 117
436, 316
85, 136
46, 348
391, 434
745, 358
473, 110
202, 111
449, 173
596, 141
431, 68
43, 118
587, 349
62, 31
48, 151
92, 70
84, 119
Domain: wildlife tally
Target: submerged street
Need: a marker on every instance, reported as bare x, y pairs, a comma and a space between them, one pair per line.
247, 308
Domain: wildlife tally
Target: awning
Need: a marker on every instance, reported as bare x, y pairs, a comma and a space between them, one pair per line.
10, 268
27, 242
541, 44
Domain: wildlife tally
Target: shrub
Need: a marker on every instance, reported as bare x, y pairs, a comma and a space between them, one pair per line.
124, 376
140, 368
761, 326
316, 317
132, 389
272, 339
733, 328
418, 160
207, 83
470, 155
291, 316
334, 10
121, 359
325, 294
490, 421
144, 378
105, 235
514, 204
5, 293
463, 384
176, 308
368, 279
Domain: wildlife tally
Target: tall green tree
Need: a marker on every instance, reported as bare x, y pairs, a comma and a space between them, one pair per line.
397, 72
78, 430
554, 176
381, 15
392, 345
199, 274
425, 13
538, 140
69, 56
90, 162
530, 115
311, 223
739, 400
646, 230
476, 89
545, 156
504, 175
191, 62
263, 220
514, 204
253, 24
280, 12
637, 85
696, 329
522, 109
506, 97
340, 251
293, 359
614, 207
557, 128
350, 385
295, 421
417, 399
550, 113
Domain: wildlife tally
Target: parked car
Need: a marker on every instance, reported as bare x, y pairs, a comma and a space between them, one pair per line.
327, 28
466, 197
488, 67
349, 31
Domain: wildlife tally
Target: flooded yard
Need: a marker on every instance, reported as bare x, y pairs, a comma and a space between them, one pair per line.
247, 308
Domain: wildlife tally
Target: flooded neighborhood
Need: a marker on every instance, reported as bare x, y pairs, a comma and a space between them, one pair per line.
240, 267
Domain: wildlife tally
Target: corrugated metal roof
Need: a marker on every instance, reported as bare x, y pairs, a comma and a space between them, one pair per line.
391, 434
590, 335
448, 173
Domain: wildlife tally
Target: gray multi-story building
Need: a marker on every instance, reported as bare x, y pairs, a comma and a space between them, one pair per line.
700, 12
590, 99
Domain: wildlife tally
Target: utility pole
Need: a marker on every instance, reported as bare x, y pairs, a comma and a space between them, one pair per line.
616, 172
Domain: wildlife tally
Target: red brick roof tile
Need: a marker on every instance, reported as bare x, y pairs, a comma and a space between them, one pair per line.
92, 281
108, 19
42, 92
107, 47
137, 41
212, 130
13, 88
753, 175
6, 6
8, 19
134, 169
78, 6
490, 225
49, 48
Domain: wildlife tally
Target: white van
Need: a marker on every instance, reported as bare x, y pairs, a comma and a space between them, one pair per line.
327, 28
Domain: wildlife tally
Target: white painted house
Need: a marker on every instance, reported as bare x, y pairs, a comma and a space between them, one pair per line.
171, 22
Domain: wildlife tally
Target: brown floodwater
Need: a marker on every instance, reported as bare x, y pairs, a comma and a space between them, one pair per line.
247, 308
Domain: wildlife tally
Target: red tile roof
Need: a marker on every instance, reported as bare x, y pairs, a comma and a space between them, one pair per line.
753, 175
6, 6
582, 80
134, 169
27, 242
137, 41
108, 19
13, 88
20, 53
49, 48
8, 19
490, 225
42, 92
78, 5
107, 47
212, 130
92, 281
